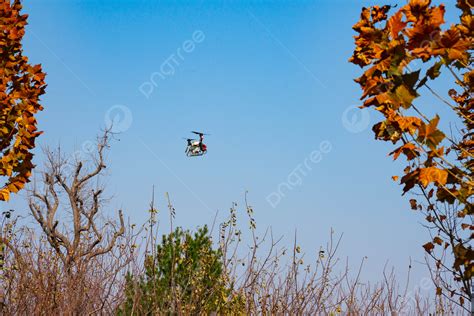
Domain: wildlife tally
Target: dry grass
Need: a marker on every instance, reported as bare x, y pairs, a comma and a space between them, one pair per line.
269, 279
35, 281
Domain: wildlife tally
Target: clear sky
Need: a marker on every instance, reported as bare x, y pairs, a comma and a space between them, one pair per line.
269, 80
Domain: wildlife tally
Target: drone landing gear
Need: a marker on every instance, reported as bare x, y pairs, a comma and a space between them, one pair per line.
195, 153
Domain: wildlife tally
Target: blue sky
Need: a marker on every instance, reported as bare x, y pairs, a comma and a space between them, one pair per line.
269, 80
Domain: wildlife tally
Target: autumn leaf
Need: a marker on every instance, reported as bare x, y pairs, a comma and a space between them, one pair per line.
434, 71
387, 51
408, 124
437, 15
430, 219
428, 247
386, 131
446, 195
21, 86
4, 195
408, 149
410, 79
453, 46
433, 175
438, 240
430, 134
395, 24
404, 96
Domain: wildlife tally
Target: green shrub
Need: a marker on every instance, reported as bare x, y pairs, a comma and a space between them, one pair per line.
185, 275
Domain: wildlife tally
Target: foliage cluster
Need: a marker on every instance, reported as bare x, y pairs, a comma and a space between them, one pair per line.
440, 165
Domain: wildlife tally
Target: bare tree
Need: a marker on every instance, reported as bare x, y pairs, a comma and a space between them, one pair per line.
73, 189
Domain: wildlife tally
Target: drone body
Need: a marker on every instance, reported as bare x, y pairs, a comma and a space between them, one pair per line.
196, 147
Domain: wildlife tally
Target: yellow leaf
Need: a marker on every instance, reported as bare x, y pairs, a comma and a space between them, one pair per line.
430, 134
433, 174
4, 195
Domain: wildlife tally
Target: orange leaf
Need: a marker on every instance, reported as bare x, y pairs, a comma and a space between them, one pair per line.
433, 174
438, 240
4, 195
395, 24
409, 124
428, 247
409, 150
430, 134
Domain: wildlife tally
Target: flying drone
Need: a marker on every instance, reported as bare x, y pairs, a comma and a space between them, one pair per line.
196, 147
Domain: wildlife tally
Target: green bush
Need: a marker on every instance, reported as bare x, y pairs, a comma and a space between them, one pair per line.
185, 275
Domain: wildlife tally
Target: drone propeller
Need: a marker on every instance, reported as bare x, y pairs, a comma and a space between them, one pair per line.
199, 133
